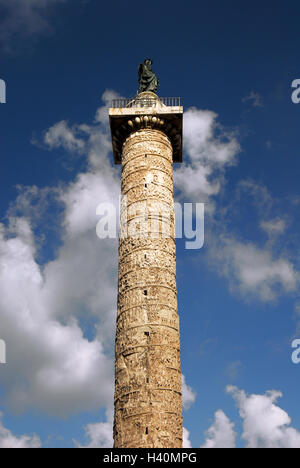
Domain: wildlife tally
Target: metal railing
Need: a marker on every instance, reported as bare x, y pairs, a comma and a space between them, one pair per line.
145, 102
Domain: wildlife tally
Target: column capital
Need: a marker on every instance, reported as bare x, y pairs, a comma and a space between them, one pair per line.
146, 110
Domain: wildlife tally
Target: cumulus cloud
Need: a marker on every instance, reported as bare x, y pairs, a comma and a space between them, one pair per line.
188, 394
251, 270
186, 443
9, 440
265, 425
99, 435
85, 139
24, 18
221, 434
255, 270
210, 149
188, 398
53, 365
61, 135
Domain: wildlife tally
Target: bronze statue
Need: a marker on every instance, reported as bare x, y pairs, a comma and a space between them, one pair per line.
148, 81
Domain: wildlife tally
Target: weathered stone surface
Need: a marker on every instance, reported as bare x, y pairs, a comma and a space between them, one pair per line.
146, 111
148, 400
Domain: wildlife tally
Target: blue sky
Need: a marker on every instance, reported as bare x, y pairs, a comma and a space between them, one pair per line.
239, 302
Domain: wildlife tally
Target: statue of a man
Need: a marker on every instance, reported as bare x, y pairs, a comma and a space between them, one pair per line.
147, 78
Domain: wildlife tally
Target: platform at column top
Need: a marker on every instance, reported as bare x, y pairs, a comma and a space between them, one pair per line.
146, 110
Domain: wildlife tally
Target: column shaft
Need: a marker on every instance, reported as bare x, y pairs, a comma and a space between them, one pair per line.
148, 400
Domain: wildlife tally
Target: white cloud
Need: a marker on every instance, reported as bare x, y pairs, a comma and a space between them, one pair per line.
188, 394
186, 443
24, 18
265, 425
92, 140
196, 183
202, 141
52, 365
260, 194
254, 98
251, 270
210, 150
273, 227
261, 271
101, 114
61, 135
8, 440
99, 435
221, 434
